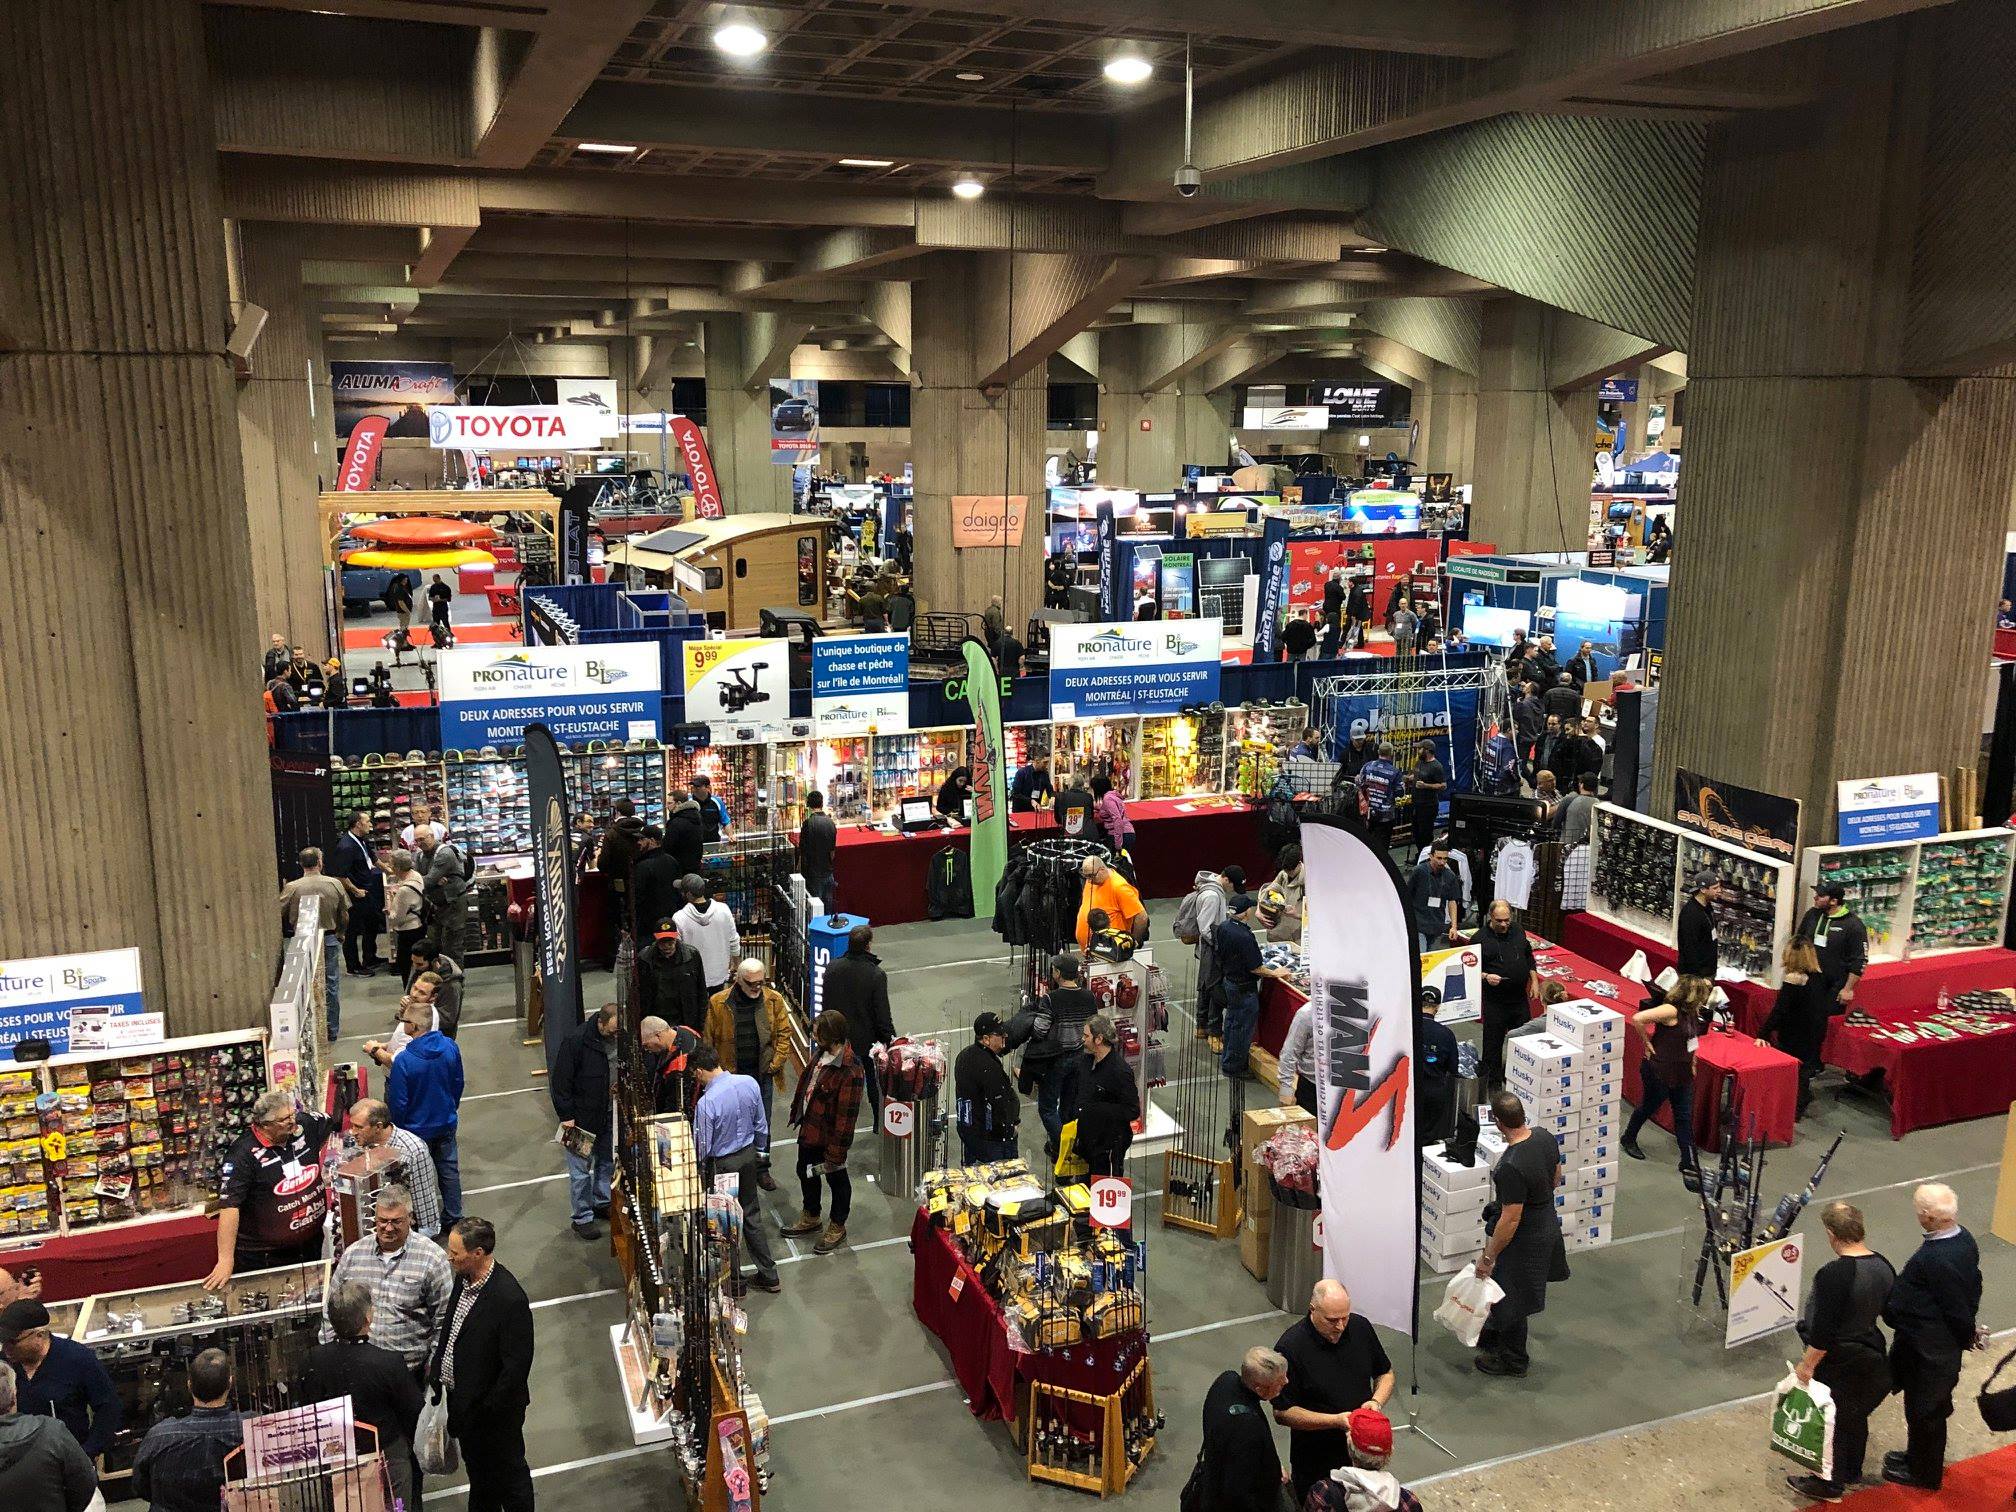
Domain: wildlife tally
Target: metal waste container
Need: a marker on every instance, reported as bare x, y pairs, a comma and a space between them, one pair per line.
524, 970
909, 1139
1294, 1264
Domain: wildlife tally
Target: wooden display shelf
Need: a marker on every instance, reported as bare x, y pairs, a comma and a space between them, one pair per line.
1117, 1467
1216, 1215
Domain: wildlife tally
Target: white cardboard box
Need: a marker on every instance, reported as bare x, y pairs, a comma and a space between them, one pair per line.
1490, 1144
1585, 1024
1438, 1170
1448, 1265
1587, 1239
1599, 1174
1453, 1215
1587, 1205
1543, 1104
1599, 1093
1463, 1237
1558, 1123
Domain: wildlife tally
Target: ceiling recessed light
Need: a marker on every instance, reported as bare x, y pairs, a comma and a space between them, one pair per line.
1129, 68
969, 187
1369, 251
867, 162
740, 40
969, 77
614, 149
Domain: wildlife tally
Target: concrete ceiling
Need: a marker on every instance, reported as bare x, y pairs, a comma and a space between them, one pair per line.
428, 155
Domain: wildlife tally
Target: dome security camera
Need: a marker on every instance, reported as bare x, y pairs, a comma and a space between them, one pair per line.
1189, 180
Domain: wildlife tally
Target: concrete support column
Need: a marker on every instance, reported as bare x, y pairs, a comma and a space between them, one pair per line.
970, 442
131, 743
738, 424
1534, 452
1145, 436
1826, 492
1446, 409
277, 432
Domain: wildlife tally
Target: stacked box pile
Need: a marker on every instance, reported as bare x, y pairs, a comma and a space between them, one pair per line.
1452, 1207
1571, 1080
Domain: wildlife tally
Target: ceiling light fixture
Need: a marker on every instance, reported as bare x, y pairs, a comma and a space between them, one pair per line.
968, 187
969, 77
614, 149
740, 40
867, 162
1129, 68
1369, 251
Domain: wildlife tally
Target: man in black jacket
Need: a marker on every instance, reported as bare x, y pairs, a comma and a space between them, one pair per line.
1241, 1466
671, 979
179, 1466
1933, 1307
987, 1106
1697, 950
857, 988
583, 1073
1506, 958
484, 1362
1840, 939
1056, 1038
353, 864
1108, 1100
1564, 701
1581, 667
818, 837
685, 833
654, 883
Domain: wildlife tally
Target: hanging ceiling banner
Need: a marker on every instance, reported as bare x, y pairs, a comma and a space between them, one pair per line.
490, 695
486, 427
595, 399
1362, 981
1123, 670
794, 420
399, 393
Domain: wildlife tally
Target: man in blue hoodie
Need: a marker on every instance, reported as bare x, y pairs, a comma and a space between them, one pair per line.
424, 1091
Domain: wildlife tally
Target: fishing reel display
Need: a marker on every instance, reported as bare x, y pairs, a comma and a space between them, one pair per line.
1634, 866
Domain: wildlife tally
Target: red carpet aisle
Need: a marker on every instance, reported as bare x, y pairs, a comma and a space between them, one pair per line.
1971, 1486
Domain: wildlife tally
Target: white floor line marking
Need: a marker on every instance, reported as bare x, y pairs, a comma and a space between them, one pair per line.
506, 1186
507, 1092
633, 1452
867, 1401
587, 1296
947, 965
1203, 1328
792, 1248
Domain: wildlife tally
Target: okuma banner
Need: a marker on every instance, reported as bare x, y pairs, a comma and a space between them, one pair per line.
490, 694
1448, 721
1359, 946
38, 994
1118, 671
861, 683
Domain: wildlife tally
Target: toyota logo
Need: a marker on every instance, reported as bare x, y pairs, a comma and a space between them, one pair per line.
438, 426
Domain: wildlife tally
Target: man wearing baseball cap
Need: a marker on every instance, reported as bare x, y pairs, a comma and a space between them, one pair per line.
59, 1378
1697, 949
672, 979
988, 1107
1840, 939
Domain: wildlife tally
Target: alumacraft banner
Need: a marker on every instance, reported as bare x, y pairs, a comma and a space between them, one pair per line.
490, 695
38, 994
1117, 671
553, 875
861, 683
486, 427
1362, 981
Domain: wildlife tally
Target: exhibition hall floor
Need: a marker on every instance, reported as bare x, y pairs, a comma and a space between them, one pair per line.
863, 1409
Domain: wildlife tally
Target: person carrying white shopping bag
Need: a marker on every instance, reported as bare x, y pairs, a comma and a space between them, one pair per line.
1466, 1303
1845, 1353
1802, 1425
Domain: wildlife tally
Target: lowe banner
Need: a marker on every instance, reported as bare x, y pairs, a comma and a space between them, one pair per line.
490, 694
37, 995
1115, 671
1448, 720
1884, 810
1362, 982
861, 683
486, 427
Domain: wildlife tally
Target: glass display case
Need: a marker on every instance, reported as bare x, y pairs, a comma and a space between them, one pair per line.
917, 762
1637, 868
596, 778
1748, 912
741, 778
1876, 883
840, 770
1181, 755
489, 804
1632, 873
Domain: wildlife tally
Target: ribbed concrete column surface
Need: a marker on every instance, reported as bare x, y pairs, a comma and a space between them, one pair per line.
968, 443
738, 425
131, 749
1840, 527
1532, 444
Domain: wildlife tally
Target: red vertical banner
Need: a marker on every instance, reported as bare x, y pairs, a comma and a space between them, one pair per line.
700, 467
360, 457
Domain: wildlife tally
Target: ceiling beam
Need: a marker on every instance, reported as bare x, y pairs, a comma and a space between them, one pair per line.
552, 75
439, 246
752, 120
1055, 297
769, 339
1472, 28
843, 254
1394, 361
687, 200
548, 236
1582, 352
1343, 102
521, 14
1448, 330
1238, 363
1169, 354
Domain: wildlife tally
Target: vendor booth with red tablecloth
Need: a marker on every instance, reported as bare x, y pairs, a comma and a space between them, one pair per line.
157, 1252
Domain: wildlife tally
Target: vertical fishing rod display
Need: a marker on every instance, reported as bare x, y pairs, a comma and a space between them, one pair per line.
1200, 1175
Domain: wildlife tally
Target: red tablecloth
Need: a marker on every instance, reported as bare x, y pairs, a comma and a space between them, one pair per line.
145, 1254
969, 1323
1278, 1002
1888, 985
1767, 1080
1931, 1081
882, 875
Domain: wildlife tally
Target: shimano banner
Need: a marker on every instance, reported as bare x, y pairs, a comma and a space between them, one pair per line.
861, 683
1273, 590
1407, 719
553, 875
1116, 671
490, 694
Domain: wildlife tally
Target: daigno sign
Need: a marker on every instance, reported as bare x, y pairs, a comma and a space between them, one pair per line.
989, 519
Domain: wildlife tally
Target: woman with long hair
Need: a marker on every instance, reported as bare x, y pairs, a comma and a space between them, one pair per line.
1798, 1021
1671, 1028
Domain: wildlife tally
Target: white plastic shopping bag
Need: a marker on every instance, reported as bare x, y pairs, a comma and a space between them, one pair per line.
1467, 1303
1802, 1424
433, 1446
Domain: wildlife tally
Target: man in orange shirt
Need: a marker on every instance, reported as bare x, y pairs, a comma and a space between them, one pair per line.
1106, 889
